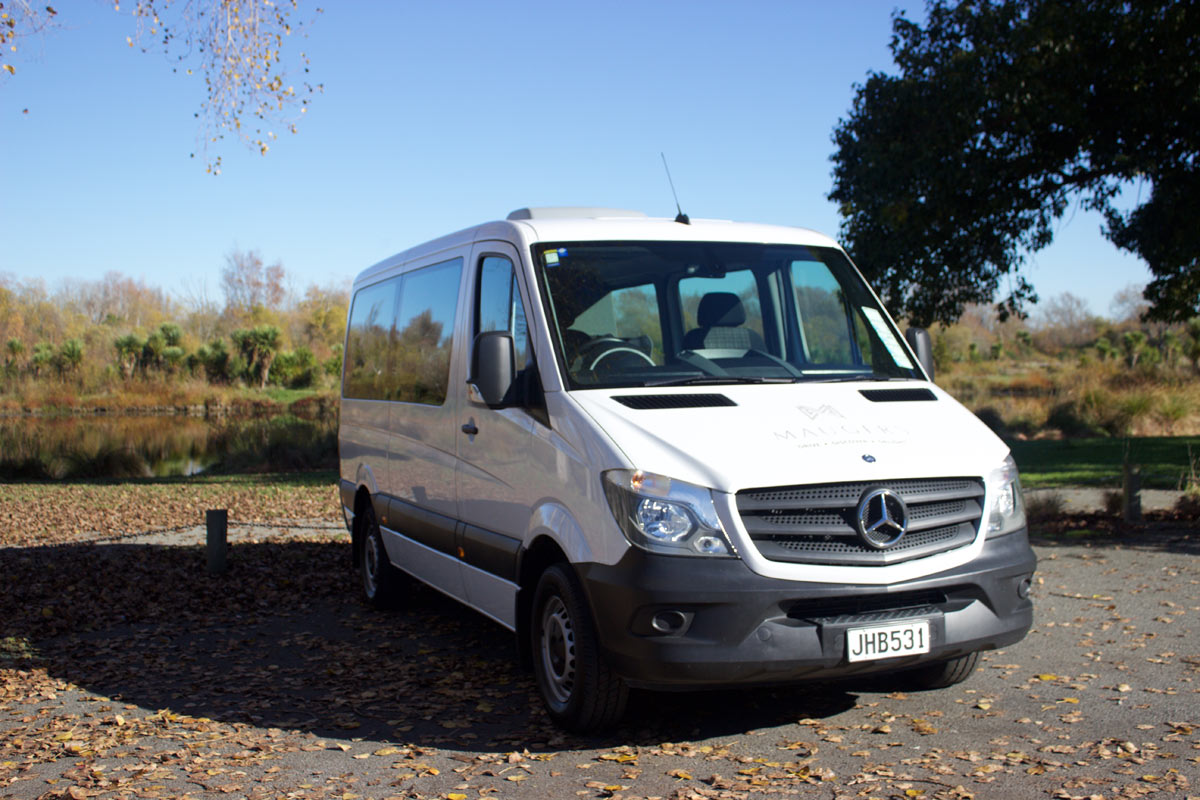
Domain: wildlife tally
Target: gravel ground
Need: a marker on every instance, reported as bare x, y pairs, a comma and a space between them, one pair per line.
125, 671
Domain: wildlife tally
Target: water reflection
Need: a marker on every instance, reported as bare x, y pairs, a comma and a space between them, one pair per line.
162, 446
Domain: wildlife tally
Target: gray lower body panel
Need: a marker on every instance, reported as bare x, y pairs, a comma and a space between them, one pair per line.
741, 628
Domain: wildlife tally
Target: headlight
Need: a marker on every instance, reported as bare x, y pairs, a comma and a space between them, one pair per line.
663, 515
1007, 512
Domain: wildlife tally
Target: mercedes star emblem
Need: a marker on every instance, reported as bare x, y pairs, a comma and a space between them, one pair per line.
882, 518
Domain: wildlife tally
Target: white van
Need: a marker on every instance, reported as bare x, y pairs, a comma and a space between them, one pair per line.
672, 455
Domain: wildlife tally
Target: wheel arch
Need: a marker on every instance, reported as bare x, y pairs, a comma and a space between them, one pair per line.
532, 561
362, 502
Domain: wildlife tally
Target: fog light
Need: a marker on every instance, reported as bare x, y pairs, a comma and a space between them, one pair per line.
669, 621
1023, 588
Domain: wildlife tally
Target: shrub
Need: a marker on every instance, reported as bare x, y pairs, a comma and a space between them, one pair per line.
1068, 419
1043, 506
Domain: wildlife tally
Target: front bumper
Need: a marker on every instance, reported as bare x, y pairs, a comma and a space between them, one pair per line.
727, 625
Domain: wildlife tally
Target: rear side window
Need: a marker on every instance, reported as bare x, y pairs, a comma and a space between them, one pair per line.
368, 342
400, 336
424, 333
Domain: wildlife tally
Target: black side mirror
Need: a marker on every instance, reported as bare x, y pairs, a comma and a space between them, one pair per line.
493, 368
918, 339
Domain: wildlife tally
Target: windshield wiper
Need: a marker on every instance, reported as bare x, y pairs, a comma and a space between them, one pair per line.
719, 379
858, 377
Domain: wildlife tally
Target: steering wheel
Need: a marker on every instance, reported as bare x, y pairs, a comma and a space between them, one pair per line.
609, 345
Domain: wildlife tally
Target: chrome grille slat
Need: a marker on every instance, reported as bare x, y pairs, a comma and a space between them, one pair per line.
816, 523
839, 495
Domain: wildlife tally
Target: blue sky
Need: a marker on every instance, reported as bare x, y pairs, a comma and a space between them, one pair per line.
437, 116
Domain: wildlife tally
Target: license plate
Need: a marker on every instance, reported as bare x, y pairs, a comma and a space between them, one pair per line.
887, 641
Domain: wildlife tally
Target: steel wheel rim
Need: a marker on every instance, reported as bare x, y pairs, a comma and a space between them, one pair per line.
371, 558
558, 650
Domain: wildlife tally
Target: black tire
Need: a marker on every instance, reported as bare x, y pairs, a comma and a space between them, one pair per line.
381, 583
580, 691
941, 674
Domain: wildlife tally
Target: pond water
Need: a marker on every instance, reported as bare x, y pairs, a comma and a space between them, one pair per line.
110, 446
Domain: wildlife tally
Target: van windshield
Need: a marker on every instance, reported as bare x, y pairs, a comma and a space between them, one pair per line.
649, 313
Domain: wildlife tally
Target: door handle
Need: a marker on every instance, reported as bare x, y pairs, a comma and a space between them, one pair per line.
469, 429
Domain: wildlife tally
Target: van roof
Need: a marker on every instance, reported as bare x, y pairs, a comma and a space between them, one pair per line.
527, 226
666, 228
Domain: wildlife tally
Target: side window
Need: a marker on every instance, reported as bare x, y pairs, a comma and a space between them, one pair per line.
739, 282
372, 325
424, 328
499, 305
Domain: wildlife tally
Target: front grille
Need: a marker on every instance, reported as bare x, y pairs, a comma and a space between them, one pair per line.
815, 524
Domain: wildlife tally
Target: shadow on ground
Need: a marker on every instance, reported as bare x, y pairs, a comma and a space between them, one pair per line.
281, 642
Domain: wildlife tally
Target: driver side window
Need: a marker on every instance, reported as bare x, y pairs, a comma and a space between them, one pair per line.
499, 305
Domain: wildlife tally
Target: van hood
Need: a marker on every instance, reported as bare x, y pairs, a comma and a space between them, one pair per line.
788, 434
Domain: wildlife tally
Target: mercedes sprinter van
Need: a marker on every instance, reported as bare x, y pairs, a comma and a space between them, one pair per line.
672, 456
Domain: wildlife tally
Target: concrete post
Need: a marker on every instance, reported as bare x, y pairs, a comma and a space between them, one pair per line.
217, 522
1131, 500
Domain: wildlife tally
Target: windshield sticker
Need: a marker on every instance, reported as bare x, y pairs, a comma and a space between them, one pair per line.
894, 348
551, 257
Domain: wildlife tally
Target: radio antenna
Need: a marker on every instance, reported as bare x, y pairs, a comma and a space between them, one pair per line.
680, 217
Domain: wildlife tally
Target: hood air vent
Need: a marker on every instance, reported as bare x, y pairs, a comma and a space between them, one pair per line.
646, 402
897, 395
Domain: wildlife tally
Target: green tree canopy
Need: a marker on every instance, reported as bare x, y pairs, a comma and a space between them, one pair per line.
1004, 112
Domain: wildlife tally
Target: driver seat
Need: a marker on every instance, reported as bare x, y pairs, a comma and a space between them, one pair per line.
721, 317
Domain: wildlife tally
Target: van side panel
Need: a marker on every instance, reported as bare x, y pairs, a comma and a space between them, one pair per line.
363, 442
439, 570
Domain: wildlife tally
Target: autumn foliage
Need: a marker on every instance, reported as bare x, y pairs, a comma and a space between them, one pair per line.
119, 335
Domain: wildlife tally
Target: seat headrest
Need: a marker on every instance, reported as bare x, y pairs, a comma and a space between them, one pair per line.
720, 310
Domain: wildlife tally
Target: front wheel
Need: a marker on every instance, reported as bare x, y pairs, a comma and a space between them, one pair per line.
580, 691
941, 674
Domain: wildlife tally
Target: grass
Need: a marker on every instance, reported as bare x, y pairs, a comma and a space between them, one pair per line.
1098, 461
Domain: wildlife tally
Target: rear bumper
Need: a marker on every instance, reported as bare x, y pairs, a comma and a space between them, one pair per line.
732, 626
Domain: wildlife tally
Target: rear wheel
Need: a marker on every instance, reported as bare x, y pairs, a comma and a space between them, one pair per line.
381, 582
941, 674
580, 691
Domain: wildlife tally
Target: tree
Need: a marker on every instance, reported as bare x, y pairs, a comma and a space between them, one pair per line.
1134, 344
15, 347
70, 356
1064, 321
129, 350
258, 347
171, 333
43, 356
249, 284
1003, 114
1191, 346
237, 45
